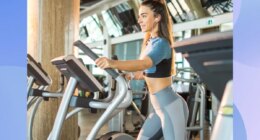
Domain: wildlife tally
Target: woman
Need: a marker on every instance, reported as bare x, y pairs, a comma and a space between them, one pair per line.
155, 61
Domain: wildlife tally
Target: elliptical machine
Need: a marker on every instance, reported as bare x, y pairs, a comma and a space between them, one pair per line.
38, 82
82, 78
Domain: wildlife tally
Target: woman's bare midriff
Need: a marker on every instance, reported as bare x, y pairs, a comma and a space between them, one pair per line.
157, 84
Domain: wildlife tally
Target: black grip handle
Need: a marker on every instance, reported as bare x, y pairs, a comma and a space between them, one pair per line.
93, 56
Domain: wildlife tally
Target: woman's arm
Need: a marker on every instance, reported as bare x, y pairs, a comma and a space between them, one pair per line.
128, 65
135, 75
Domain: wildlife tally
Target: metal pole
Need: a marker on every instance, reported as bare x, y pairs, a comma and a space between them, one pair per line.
29, 86
55, 133
30, 125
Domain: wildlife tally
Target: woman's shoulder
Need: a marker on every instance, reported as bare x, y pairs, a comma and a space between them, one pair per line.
161, 41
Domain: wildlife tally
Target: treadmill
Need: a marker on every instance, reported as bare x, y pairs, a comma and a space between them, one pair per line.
211, 57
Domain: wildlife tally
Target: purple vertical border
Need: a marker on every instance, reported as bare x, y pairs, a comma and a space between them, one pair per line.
246, 69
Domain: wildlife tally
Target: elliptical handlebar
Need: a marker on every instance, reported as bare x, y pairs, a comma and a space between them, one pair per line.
122, 100
93, 56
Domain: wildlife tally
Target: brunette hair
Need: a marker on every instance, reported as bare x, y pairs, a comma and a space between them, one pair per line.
159, 7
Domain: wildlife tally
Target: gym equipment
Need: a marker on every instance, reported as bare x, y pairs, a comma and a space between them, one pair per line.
117, 123
223, 127
79, 75
36, 75
199, 103
210, 55
83, 47
111, 135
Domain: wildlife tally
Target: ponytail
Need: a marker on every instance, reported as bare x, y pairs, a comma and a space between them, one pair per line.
165, 28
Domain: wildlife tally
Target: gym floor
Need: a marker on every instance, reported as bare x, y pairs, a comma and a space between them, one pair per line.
87, 120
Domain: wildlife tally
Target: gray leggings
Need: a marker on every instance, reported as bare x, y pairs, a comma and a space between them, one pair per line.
170, 117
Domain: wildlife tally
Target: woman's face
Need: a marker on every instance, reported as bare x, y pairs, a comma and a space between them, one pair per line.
146, 18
